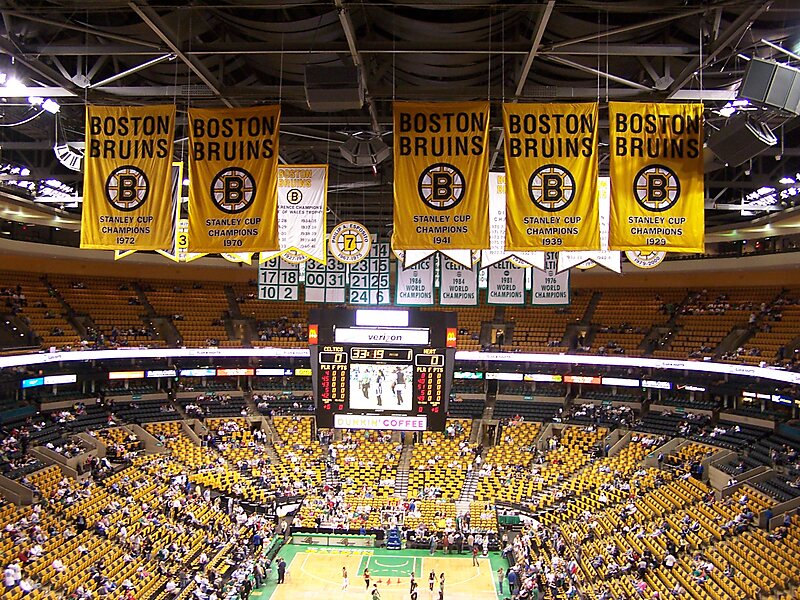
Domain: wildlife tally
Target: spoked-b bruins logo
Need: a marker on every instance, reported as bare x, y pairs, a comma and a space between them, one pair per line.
656, 188
441, 186
233, 190
350, 242
551, 188
294, 196
127, 188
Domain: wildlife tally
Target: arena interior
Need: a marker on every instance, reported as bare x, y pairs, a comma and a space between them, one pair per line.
640, 442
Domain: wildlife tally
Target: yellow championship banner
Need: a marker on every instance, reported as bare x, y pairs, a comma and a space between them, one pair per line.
656, 169
551, 177
127, 196
233, 176
441, 175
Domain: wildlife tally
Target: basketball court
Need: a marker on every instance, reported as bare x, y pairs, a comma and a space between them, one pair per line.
313, 573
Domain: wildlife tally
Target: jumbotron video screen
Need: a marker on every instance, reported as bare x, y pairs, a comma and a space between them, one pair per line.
382, 368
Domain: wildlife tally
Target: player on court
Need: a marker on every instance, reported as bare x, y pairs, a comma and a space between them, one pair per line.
345, 580
431, 582
365, 381
379, 387
399, 385
366, 577
441, 586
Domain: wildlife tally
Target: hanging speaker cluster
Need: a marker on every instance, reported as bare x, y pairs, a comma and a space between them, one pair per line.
365, 149
772, 84
333, 88
740, 140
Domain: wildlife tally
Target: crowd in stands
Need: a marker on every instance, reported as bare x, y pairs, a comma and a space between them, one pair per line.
282, 328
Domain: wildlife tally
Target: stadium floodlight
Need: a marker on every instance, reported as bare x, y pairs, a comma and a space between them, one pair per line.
51, 106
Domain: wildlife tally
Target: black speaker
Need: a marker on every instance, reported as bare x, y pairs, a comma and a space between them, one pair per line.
772, 84
740, 140
333, 88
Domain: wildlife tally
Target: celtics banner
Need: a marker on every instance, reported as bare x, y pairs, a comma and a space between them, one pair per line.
415, 284
551, 171
656, 169
127, 199
233, 179
506, 283
302, 203
549, 286
458, 285
441, 169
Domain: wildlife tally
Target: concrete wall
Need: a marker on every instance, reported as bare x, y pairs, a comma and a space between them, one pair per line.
541, 399
631, 405
48, 457
15, 492
660, 408
651, 460
761, 473
777, 513
151, 443
188, 428
717, 478
742, 420
618, 444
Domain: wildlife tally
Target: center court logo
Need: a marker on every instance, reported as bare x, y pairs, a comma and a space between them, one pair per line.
551, 188
656, 188
350, 242
233, 190
127, 188
441, 186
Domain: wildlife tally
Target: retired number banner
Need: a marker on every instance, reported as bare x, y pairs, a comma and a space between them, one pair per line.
656, 169
441, 176
127, 197
551, 176
233, 179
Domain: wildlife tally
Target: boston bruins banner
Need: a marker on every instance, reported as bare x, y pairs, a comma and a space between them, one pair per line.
441, 171
551, 175
302, 198
656, 168
127, 200
233, 179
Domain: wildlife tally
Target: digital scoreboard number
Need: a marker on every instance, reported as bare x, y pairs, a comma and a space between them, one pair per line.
383, 376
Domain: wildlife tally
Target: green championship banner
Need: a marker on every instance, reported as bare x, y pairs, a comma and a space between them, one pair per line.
656, 169
441, 175
551, 176
233, 164
127, 200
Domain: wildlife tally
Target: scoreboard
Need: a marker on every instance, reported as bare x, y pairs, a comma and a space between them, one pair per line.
382, 368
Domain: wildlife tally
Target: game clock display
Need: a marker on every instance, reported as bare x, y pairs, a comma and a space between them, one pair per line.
377, 382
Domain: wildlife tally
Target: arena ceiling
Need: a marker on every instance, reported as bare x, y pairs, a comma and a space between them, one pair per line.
241, 53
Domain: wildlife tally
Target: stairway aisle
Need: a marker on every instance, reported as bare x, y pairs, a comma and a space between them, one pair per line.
403, 467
